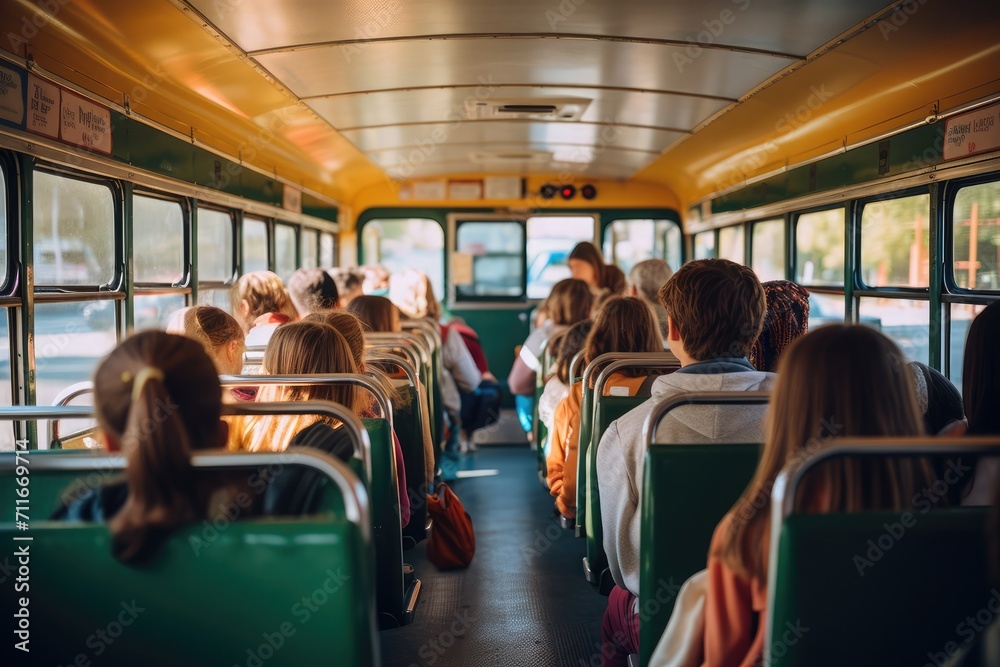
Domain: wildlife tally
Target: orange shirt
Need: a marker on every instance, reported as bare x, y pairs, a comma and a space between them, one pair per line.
734, 611
564, 450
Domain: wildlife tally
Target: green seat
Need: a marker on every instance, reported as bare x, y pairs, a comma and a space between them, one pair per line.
862, 589
540, 432
409, 430
679, 515
275, 591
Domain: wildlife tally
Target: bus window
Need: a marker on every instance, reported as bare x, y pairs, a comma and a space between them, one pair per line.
976, 236
550, 240
962, 315
406, 243
767, 250
497, 250
70, 339
310, 248
906, 322
254, 245
628, 242
6, 395
74, 227
285, 251
215, 246
327, 250
894, 242
153, 311
704, 245
819, 248
3, 234
731, 243
158, 246
825, 309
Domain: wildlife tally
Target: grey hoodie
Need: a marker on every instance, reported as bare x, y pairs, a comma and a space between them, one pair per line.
622, 452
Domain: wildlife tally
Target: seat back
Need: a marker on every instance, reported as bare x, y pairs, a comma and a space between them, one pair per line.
281, 590
679, 514
540, 432
878, 587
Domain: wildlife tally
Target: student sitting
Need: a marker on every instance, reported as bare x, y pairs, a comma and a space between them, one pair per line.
564, 346
301, 348
786, 319
218, 332
624, 324
586, 263
981, 393
349, 284
377, 312
261, 305
160, 490
350, 327
570, 302
644, 281
715, 312
838, 381
312, 290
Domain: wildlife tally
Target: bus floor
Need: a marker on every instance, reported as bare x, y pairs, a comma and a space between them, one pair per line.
523, 602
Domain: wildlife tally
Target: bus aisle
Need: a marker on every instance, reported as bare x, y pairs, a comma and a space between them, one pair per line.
523, 601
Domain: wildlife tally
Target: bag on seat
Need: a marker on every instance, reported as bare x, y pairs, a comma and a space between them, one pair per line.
452, 542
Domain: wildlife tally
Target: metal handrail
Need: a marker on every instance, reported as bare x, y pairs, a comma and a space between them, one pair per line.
629, 360
427, 326
574, 366
660, 410
356, 502
410, 355
786, 485
423, 403
364, 381
399, 338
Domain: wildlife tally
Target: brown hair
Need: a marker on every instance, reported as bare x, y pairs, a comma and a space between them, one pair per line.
717, 306
263, 292
158, 395
981, 373
838, 381
586, 251
786, 319
312, 290
352, 329
569, 302
411, 291
300, 348
624, 324
213, 327
377, 312
615, 278
566, 345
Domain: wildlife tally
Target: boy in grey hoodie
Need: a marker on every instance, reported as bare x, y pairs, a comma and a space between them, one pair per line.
715, 311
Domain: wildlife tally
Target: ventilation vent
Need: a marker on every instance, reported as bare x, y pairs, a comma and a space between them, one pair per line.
562, 108
510, 157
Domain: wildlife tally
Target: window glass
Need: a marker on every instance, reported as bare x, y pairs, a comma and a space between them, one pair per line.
158, 240
406, 243
74, 227
731, 243
825, 309
153, 311
628, 242
3, 231
220, 298
285, 244
310, 248
215, 246
819, 248
976, 233
6, 392
704, 245
497, 250
894, 242
254, 245
550, 240
70, 339
327, 251
906, 322
768, 250
962, 315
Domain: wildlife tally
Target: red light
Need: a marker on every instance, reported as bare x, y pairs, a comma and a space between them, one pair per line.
567, 191
588, 191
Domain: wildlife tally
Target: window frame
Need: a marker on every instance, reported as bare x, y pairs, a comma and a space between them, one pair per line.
303, 232
296, 243
268, 240
792, 244
188, 269
951, 190
454, 223
9, 283
748, 238
217, 284
857, 213
681, 250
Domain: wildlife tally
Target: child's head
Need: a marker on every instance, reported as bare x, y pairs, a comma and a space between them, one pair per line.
311, 348
217, 331
377, 312
587, 264
786, 319
623, 324
312, 290
158, 399
258, 293
835, 382
715, 309
566, 345
569, 302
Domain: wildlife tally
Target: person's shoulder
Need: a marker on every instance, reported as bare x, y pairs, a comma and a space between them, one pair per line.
321, 436
96, 504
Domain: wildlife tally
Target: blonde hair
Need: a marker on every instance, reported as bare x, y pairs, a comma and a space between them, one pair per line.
838, 381
300, 348
263, 293
413, 294
213, 327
